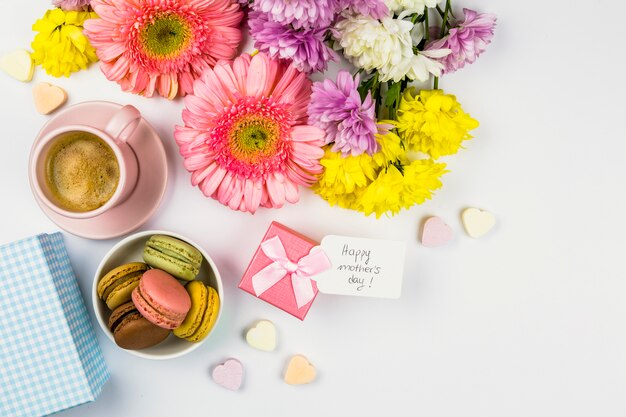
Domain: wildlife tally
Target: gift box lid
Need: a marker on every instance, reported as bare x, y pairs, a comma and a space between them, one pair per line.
50, 359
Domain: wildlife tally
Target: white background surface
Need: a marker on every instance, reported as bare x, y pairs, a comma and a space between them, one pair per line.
528, 321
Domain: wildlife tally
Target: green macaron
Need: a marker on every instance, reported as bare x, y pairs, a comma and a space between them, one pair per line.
174, 256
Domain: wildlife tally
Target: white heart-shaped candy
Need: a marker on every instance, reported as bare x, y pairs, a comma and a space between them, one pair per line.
18, 64
477, 222
262, 336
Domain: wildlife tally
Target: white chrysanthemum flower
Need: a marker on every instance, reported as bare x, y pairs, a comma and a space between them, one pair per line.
425, 63
371, 44
386, 46
410, 6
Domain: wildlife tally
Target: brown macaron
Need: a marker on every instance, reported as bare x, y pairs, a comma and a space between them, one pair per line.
132, 331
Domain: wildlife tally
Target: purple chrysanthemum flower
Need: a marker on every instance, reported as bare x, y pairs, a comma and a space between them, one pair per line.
307, 14
376, 9
467, 40
348, 122
305, 47
71, 4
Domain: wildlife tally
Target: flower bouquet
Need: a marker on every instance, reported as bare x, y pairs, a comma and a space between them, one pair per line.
384, 138
255, 127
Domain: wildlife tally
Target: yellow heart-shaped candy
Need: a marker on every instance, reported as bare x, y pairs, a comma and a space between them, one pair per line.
48, 97
300, 371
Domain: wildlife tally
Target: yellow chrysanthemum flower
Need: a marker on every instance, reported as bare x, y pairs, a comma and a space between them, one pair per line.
60, 46
383, 195
343, 178
400, 187
433, 122
421, 178
391, 150
383, 183
345, 174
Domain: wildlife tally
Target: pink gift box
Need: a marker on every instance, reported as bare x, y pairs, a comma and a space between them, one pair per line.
281, 294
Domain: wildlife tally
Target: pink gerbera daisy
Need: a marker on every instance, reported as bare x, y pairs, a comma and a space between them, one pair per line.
162, 45
245, 137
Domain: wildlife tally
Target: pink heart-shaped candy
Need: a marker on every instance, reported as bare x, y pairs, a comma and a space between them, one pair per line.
229, 374
436, 232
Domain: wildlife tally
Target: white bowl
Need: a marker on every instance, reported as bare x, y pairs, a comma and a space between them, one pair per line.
130, 249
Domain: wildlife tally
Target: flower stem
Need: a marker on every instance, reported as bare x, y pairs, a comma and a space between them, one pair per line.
441, 13
444, 30
392, 109
372, 86
427, 27
445, 19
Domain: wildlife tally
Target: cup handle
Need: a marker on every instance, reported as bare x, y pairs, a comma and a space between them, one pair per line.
123, 124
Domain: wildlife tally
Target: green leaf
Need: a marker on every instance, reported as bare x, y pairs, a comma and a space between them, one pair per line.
393, 94
392, 100
369, 85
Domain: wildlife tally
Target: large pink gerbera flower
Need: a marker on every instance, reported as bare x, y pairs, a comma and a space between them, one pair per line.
162, 45
245, 137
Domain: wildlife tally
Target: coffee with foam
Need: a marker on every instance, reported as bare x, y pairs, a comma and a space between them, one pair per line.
82, 172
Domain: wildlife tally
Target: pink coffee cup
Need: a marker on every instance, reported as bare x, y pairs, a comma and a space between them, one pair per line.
116, 134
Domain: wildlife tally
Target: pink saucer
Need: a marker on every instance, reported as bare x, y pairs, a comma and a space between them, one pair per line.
151, 184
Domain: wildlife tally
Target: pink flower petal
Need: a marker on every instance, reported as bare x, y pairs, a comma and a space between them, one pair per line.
258, 75
211, 183
291, 192
211, 88
225, 191
276, 191
198, 176
305, 133
252, 195
225, 74
197, 161
306, 151
240, 69
237, 194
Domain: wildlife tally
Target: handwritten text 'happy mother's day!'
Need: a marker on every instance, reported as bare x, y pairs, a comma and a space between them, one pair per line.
362, 273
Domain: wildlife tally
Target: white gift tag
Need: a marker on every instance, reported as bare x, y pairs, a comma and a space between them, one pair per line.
362, 267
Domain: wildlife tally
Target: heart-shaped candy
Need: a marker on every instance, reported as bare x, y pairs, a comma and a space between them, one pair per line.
48, 97
18, 64
229, 374
436, 232
477, 222
299, 371
262, 336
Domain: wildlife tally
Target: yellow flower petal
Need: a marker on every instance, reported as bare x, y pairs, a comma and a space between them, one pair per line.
60, 46
433, 122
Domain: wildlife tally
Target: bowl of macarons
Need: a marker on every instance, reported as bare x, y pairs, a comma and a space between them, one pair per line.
157, 295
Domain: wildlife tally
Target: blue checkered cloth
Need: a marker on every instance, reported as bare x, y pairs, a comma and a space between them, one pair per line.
50, 359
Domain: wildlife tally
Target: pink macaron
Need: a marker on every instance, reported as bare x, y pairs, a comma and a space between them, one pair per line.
161, 299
